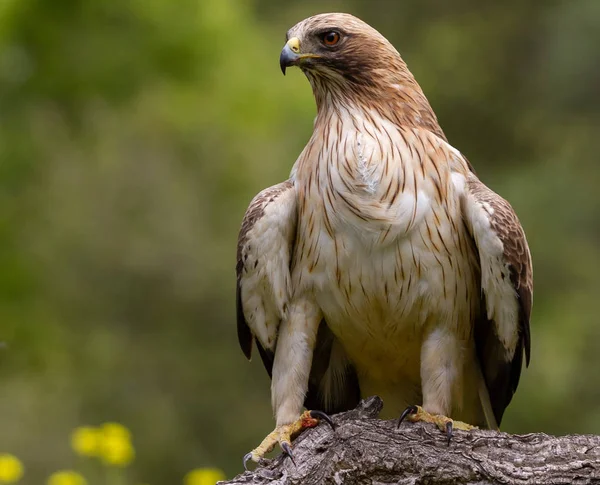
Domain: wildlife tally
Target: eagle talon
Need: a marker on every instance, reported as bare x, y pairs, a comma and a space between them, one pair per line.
449, 428
284, 434
287, 449
246, 459
409, 410
445, 424
320, 415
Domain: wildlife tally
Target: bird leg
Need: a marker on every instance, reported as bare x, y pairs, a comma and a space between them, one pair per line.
285, 434
448, 425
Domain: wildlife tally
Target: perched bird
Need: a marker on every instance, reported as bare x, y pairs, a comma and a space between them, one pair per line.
383, 265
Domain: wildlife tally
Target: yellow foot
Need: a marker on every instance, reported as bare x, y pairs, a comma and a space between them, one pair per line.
283, 435
417, 413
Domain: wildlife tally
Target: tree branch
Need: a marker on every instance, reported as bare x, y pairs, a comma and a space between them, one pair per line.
366, 450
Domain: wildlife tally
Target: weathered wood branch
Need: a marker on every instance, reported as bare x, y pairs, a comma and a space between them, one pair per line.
366, 450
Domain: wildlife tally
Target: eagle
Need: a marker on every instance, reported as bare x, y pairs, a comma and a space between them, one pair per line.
383, 265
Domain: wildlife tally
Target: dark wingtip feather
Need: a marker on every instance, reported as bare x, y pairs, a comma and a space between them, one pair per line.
243, 331
267, 357
527, 339
525, 304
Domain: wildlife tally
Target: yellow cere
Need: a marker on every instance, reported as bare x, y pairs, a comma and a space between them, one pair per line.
294, 44
11, 468
66, 477
204, 476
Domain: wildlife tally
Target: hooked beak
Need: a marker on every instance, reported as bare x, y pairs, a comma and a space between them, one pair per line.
290, 55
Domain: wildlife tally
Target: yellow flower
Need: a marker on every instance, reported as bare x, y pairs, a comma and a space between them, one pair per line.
66, 477
116, 430
115, 445
204, 476
117, 452
85, 441
11, 468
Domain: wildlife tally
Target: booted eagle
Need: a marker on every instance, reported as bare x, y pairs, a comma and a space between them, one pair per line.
383, 265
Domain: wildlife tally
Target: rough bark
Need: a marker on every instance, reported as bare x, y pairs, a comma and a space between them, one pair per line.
366, 450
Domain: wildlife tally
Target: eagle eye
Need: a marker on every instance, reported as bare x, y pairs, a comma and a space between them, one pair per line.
330, 38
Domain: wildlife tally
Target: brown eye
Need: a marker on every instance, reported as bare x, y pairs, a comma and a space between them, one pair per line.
331, 38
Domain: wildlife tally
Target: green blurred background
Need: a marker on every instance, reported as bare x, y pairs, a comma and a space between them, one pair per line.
133, 134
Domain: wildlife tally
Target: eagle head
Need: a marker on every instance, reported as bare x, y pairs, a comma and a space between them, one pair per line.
349, 63
339, 46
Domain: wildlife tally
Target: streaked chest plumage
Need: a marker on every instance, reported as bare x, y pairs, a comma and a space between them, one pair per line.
383, 246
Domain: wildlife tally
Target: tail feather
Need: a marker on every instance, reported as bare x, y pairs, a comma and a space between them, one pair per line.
486, 403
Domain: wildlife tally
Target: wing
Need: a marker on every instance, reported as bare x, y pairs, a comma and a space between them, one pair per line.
264, 251
265, 246
502, 332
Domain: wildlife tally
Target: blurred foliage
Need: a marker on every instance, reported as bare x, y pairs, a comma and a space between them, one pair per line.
132, 136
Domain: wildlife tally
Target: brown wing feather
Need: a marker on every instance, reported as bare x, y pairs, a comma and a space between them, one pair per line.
501, 374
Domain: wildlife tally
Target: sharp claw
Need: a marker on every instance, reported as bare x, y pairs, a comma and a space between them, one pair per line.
287, 449
406, 412
449, 431
321, 415
246, 459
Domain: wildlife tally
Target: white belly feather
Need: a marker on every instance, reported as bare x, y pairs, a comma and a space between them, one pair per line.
386, 256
